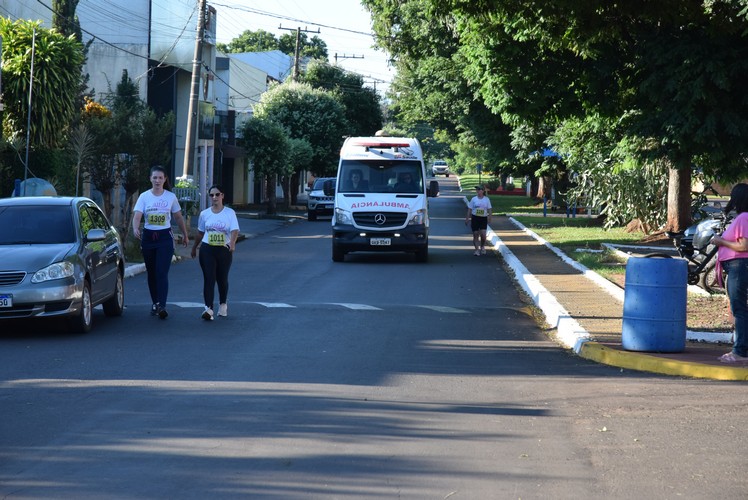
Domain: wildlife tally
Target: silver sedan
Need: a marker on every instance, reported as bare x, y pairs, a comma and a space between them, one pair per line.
59, 256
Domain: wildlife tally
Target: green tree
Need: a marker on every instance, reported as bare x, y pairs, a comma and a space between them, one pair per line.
310, 114
268, 150
65, 20
314, 48
300, 158
670, 72
263, 41
250, 41
57, 63
363, 108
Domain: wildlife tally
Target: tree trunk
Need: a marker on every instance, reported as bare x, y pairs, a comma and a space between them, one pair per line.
544, 187
272, 198
679, 198
294, 188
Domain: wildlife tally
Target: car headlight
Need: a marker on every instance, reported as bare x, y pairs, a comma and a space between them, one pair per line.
55, 271
343, 216
419, 218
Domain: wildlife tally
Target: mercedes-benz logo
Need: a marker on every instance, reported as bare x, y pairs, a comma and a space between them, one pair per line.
380, 219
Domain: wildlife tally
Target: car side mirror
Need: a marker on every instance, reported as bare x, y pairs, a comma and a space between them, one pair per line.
96, 235
329, 188
433, 190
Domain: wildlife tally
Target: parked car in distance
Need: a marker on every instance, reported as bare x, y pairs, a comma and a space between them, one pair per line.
59, 257
318, 203
439, 167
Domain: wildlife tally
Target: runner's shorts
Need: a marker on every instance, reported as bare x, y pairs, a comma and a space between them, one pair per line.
478, 223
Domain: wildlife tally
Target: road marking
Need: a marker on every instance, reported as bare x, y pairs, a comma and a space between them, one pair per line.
347, 305
186, 305
446, 309
357, 307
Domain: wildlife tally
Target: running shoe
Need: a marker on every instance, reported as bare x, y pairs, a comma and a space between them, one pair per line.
207, 314
162, 312
154, 309
483, 251
223, 310
477, 253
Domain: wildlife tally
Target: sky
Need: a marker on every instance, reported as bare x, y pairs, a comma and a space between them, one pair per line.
344, 25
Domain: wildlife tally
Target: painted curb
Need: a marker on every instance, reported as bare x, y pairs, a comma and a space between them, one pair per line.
595, 351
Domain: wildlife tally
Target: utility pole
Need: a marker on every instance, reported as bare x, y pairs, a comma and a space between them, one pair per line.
346, 57
197, 60
296, 70
28, 118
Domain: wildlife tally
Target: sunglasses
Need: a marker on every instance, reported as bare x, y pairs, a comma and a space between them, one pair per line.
214, 195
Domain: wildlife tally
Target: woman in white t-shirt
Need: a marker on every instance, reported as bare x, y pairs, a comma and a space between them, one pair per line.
479, 215
218, 229
156, 208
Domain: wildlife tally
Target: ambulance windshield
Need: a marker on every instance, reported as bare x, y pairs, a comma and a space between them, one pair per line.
381, 176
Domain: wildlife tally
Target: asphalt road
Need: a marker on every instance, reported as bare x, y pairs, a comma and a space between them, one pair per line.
378, 377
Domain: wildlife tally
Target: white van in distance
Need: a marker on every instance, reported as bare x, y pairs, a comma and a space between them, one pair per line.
381, 198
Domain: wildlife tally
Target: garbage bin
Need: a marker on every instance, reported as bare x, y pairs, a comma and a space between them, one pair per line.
654, 305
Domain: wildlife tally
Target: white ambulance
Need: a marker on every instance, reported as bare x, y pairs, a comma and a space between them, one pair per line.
381, 198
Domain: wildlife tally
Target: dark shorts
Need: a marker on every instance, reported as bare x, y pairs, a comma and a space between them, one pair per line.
478, 223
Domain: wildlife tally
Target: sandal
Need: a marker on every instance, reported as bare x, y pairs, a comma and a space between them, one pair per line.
732, 358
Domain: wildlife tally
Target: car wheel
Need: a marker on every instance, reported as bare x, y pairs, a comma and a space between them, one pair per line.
82, 322
338, 255
312, 215
116, 304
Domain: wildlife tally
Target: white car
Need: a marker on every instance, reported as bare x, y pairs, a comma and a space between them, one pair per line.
319, 203
439, 167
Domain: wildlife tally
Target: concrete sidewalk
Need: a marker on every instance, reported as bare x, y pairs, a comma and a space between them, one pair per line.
586, 310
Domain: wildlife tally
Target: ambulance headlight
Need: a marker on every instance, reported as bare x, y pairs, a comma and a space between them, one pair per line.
343, 217
419, 218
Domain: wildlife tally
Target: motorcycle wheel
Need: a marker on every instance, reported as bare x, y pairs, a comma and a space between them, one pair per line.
708, 278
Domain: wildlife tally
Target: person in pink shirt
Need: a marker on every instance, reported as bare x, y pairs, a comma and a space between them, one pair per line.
733, 258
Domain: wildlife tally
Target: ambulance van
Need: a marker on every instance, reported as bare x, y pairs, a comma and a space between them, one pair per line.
381, 198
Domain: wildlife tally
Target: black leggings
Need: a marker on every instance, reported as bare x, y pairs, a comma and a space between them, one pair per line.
215, 262
158, 249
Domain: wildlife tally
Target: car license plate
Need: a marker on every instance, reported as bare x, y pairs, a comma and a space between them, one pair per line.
326, 206
380, 242
6, 301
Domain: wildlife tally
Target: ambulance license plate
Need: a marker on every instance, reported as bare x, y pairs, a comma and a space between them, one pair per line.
380, 242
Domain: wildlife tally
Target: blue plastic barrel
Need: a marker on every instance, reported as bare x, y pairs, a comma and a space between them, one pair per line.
654, 305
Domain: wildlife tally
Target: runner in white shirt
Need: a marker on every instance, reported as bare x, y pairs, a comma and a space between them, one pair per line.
218, 229
479, 215
156, 207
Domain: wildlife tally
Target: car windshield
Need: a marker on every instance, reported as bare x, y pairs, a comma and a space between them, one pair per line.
319, 183
36, 225
380, 176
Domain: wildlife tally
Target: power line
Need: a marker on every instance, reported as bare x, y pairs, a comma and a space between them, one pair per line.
286, 18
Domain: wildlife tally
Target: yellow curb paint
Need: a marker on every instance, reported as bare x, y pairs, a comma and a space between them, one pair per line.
600, 353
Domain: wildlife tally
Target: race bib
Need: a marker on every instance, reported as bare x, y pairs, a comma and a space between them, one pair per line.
216, 238
480, 212
157, 219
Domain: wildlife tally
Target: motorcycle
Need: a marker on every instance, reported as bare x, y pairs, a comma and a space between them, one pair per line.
695, 245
